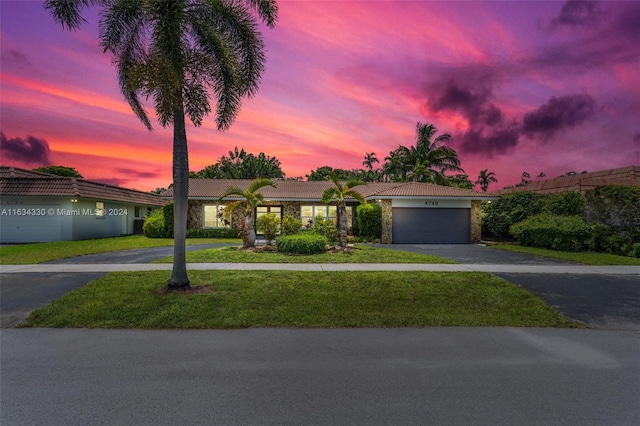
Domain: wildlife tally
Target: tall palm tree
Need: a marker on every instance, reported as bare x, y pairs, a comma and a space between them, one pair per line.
369, 159
485, 179
178, 53
340, 192
432, 155
250, 199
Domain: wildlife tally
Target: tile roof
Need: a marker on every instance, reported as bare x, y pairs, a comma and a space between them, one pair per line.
312, 190
582, 182
20, 182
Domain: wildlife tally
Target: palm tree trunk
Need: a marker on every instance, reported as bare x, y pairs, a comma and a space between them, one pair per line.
343, 226
179, 280
249, 229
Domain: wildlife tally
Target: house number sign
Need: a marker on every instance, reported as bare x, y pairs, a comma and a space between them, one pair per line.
431, 203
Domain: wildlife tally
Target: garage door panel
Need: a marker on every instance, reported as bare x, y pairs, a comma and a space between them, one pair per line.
431, 226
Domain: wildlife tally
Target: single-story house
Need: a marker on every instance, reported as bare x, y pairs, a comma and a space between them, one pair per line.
412, 213
39, 207
582, 182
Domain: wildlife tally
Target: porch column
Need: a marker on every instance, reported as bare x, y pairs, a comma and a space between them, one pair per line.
387, 228
476, 221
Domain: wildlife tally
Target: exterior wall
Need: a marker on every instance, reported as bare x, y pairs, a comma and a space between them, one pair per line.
63, 219
289, 208
476, 221
387, 223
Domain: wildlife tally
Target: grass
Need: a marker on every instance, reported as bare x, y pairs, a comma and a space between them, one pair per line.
299, 299
43, 252
360, 254
586, 258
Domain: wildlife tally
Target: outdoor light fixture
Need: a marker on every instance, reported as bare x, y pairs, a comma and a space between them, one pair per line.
74, 200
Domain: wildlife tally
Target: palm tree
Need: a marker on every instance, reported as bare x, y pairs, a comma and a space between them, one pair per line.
431, 155
178, 52
369, 159
340, 192
485, 178
251, 199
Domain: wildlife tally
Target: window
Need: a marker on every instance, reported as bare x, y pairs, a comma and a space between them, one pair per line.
309, 213
213, 217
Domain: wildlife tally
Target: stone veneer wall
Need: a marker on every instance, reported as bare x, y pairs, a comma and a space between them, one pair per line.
387, 225
476, 221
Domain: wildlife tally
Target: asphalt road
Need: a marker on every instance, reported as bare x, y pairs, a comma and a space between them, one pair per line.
433, 376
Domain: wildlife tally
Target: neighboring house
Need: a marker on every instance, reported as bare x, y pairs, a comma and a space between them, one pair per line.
582, 182
39, 207
411, 212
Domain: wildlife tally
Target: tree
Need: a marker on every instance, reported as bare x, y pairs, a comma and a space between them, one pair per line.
485, 178
251, 199
178, 52
428, 161
371, 174
59, 171
340, 192
240, 165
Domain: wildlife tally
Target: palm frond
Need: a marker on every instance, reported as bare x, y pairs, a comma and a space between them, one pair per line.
260, 183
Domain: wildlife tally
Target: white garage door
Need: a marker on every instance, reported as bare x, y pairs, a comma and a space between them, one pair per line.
431, 226
18, 226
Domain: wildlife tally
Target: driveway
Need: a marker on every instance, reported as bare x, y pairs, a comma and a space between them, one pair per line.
598, 300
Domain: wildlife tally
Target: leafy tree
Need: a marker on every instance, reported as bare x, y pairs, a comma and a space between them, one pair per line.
340, 192
241, 165
59, 171
324, 172
485, 178
251, 199
177, 52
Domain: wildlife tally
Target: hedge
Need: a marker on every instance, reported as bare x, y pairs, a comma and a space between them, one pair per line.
567, 233
305, 243
369, 219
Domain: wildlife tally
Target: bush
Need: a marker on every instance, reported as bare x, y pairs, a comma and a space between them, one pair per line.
327, 228
568, 233
564, 204
617, 207
291, 225
305, 243
154, 225
369, 219
269, 225
635, 250
213, 233
510, 209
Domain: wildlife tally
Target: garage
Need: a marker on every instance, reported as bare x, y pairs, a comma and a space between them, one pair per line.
29, 223
431, 225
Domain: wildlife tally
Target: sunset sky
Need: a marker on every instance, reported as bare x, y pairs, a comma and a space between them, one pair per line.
521, 86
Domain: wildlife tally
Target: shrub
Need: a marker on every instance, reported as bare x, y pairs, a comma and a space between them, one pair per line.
635, 250
154, 225
564, 204
568, 233
369, 219
617, 207
291, 225
510, 209
327, 228
305, 243
269, 225
213, 233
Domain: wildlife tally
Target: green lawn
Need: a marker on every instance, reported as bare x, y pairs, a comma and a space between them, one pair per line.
23, 254
359, 254
299, 299
586, 258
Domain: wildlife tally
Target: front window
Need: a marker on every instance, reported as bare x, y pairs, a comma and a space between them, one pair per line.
309, 213
213, 217
263, 210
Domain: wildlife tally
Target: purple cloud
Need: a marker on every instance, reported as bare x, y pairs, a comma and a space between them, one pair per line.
558, 114
30, 150
579, 12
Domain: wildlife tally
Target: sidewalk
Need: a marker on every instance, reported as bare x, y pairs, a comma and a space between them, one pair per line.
328, 267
